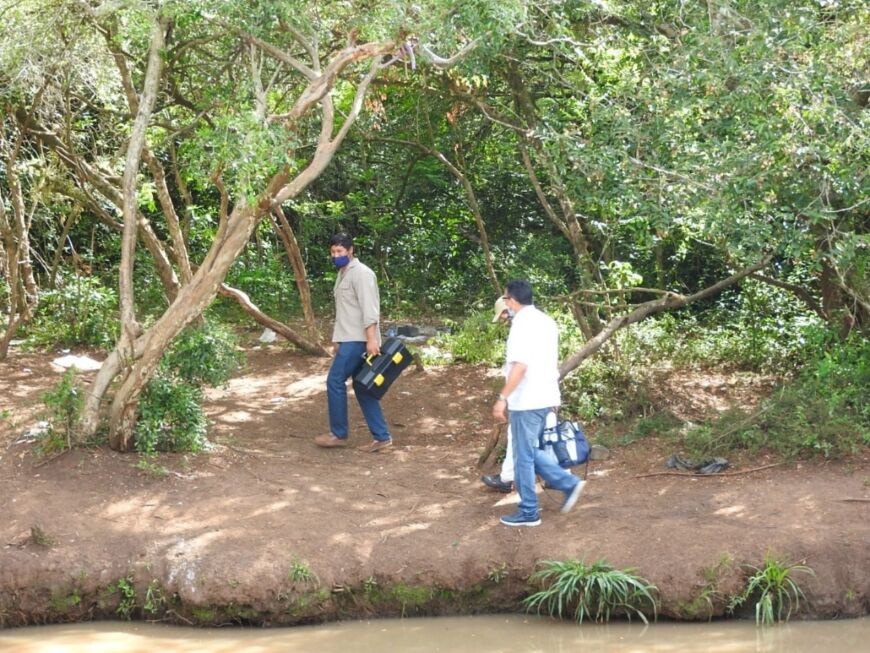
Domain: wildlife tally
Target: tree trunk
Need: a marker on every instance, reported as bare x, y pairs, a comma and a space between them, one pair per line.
23, 293
294, 254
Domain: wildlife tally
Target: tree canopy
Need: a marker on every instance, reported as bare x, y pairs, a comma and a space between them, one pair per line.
627, 157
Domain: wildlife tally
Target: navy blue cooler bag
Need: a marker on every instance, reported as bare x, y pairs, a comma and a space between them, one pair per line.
566, 442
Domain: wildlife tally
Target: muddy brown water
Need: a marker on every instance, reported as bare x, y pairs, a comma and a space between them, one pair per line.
481, 634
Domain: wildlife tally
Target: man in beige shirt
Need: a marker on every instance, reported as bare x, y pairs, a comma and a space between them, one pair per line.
356, 334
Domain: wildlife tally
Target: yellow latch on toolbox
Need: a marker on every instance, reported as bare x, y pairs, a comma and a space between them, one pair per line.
379, 379
397, 357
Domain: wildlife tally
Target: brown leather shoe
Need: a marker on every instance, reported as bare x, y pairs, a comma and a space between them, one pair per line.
375, 445
329, 441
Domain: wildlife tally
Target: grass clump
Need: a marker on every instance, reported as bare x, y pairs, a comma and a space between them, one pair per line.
594, 591
300, 572
774, 589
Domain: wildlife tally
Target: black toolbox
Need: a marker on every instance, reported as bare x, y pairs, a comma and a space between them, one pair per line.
378, 373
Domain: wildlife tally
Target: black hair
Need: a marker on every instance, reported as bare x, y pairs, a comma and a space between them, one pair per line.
342, 240
520, 290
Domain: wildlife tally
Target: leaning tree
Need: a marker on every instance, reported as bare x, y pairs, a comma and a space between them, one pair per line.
230, 107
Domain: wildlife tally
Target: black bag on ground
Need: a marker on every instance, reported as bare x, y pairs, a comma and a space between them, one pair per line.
378, 373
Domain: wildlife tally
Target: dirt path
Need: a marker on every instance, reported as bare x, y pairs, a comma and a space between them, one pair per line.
268, 528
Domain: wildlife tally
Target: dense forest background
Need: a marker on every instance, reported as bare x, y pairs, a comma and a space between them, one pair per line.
684, 183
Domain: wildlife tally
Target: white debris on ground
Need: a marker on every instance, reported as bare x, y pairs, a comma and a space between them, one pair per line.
268, 336
33, 434
80, 363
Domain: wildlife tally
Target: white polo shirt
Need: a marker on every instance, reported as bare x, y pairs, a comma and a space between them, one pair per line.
534, 340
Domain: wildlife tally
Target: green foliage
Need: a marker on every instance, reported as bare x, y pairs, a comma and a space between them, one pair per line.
80, 311
146, 464
592, 591
300, 572
64, 404
756, 327
615, 384
170, 412
39, 537
498, 573
170, 417
704, 604
127, 591
476, 340
204, 356
154, 598
823, 410
774, 589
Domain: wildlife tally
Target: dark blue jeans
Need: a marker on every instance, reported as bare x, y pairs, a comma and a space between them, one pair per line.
346, 362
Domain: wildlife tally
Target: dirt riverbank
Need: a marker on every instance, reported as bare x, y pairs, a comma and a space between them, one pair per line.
266, 528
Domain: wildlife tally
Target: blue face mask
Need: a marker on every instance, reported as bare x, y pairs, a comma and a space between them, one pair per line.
340, 261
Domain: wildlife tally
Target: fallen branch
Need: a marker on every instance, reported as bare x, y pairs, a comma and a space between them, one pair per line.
278, 327
745, 471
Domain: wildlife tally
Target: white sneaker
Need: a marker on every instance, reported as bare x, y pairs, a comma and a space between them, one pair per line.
572, 496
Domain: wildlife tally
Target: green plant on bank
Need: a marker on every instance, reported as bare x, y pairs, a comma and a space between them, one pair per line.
592, 591
127, 591
498, 573
704, 604
146, 464
63, 602
411, 596
475, 340
64, 404
774, 589
154, 598
204, 356
300, 572
370, 585
170, 409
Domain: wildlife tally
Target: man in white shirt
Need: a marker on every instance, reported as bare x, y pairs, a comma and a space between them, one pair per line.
356, 334
530, 391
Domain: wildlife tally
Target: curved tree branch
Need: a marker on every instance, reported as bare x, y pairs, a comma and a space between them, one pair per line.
667, 303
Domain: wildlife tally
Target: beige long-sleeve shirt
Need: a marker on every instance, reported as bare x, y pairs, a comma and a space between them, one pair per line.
357, 303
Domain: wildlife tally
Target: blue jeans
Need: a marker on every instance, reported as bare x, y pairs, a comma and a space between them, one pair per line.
526, 427
346, 362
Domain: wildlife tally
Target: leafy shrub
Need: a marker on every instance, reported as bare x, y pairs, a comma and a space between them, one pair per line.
594, 591
775, 590
79, 311
170, 411
756, 327
204, 356
64, 404
477, 340
170, 417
